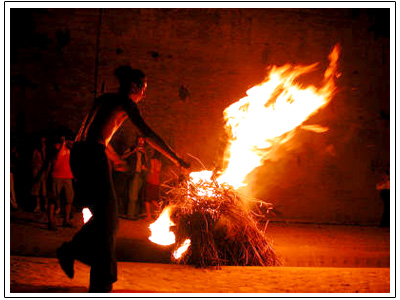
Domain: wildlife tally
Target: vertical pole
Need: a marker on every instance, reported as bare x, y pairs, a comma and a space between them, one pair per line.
96, 66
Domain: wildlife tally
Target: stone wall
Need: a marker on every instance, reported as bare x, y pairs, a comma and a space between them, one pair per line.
198, 62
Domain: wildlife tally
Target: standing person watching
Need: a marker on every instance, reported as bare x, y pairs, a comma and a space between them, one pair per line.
62, 178
384, 191
153, 183
13, 168
91, 154
40, 168
139, 178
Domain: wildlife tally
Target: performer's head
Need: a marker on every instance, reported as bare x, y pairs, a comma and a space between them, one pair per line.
132, 82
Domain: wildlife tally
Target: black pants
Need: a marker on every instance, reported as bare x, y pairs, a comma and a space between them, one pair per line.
94, 244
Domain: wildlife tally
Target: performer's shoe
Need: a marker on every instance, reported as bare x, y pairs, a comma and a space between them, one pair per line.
66, 260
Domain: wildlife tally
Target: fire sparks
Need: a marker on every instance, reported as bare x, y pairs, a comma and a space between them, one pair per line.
182, 249
160, 233
87, 214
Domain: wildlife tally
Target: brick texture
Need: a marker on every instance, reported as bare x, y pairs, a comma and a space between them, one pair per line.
198, 62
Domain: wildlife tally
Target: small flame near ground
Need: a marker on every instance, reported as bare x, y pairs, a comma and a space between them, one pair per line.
160, 233
182, 249
86, 214
266, 117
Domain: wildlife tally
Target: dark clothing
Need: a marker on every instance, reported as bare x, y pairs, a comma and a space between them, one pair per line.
385, 196
94, 244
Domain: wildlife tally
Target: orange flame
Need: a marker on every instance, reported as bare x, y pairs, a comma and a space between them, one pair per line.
315, 128
86, 214
269, 114
160, 233
182, 249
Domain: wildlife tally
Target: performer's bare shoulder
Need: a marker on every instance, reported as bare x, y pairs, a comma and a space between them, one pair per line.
109, 112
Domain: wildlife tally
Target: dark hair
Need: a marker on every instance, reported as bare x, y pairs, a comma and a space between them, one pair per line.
126, 75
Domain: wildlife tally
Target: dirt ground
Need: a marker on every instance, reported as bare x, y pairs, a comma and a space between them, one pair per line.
316, 259
43, 275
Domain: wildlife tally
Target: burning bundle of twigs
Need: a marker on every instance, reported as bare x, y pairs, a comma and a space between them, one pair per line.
215, 226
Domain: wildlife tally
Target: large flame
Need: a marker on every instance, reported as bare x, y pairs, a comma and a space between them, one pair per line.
270, 113
267, 116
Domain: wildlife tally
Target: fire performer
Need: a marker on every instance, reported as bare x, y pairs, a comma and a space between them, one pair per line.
91, 155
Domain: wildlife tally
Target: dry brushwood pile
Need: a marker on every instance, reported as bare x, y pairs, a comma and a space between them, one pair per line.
222, 228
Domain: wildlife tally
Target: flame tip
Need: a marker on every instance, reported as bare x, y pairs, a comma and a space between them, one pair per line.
289, 106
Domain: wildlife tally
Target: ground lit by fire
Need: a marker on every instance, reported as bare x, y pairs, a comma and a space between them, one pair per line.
318, 259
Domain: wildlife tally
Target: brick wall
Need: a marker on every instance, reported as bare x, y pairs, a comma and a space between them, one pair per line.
198, 62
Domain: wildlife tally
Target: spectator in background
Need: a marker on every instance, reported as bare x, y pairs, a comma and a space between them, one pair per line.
136, 184
384, 187
39, 174
62, 177
13, 167
153, 184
